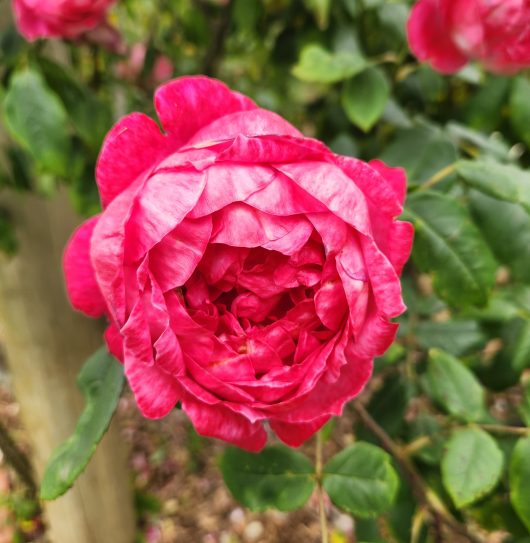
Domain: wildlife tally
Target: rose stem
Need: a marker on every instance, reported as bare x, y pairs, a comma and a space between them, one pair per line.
318, 467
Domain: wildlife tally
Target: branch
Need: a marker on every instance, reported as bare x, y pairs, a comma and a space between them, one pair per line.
215, 51
422, 492
17, 460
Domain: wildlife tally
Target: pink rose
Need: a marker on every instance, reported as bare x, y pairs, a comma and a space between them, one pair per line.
449, 33
58, 18
247, 271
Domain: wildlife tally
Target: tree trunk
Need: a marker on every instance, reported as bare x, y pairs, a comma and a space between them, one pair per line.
46, 343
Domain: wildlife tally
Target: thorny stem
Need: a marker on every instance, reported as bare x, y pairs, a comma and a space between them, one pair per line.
424, 494
437, 177
318, 468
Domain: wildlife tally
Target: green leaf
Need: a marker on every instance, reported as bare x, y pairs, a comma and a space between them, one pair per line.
422, 151
276, 477
454, 386
361, 480
90, 117
457, 337
36, 118
506, 229
520, 108
472, 465
485, 107
320, 10
450, 246
500, 181
519, 477
364, 97
100, 381
316, 65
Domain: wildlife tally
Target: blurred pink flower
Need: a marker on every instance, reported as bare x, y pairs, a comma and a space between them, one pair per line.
247, 271
449, 33
58, 18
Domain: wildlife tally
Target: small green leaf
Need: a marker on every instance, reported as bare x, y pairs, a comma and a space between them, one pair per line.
454, 386
519, 478
457, 337
500, 181
520, 108
36, 118
361, 480
364, 97
316, 65
472, 465
320, 10
277, 477
101, 382
448, 244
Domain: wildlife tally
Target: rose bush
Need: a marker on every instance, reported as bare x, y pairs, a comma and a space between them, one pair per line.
449, 33
247, 271
58, 18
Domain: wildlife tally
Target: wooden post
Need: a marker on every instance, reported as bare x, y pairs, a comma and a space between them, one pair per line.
46, 343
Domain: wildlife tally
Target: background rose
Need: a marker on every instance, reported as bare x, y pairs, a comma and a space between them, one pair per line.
58, 18
449, 33
247, 271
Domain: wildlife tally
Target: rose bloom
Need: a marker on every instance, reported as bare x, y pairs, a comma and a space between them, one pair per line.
449, 33
58, 18
247, 272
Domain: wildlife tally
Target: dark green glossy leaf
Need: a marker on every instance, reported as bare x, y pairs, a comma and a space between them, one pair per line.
506, 228
472, 466
277, 477
100, 381
454, 386
520, 108
457, 337
361, 480
450, 246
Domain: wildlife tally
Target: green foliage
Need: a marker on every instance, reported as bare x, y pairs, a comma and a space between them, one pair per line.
519, 477
101, 382
471, 466
361, 480
277, 477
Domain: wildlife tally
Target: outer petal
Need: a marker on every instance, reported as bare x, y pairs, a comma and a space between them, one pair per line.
188, 104
133, 145
430, 37
294, 435
81, 284
220, 422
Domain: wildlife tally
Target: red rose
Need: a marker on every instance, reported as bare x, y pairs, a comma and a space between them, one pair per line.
247, 271
449, 33
58, 18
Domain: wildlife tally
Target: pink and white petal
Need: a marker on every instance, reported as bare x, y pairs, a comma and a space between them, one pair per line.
331, 186
220, 422
187, 104
175, 258
162, 204
396, 177
156, 392
273, 149
400, 238
255, 122
296, 434
134, 145
228, 183
81, 284
430, 39
240, 225
114, 342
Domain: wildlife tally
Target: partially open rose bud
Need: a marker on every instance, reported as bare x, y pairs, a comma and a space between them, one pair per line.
247, 271
58, 18
449, 33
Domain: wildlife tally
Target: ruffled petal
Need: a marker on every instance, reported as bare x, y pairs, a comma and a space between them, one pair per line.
81, 284
295, 435
187, 104
134, 145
